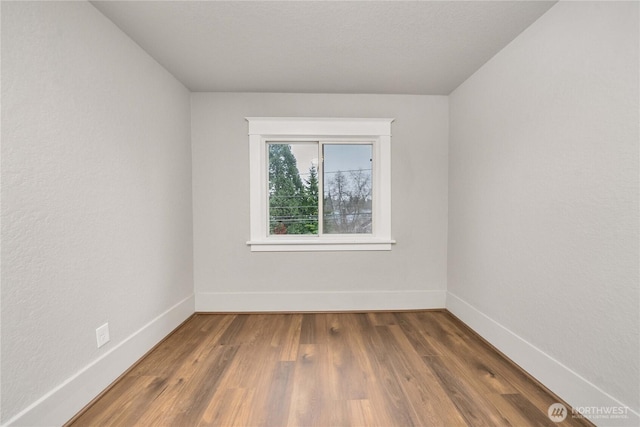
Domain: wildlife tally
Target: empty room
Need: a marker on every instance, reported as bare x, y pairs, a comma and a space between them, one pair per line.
320, 213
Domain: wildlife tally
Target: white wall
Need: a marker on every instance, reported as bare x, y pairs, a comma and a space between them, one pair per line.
228, 276
96, 206
543, 202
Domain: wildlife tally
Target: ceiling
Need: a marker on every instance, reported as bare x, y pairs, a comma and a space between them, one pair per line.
401, 47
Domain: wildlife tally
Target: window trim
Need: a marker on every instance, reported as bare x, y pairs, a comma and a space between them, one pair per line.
375, 131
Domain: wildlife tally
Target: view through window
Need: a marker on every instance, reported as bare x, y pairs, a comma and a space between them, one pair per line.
306, 178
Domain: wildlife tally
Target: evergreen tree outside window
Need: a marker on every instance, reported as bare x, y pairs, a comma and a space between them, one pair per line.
293, 197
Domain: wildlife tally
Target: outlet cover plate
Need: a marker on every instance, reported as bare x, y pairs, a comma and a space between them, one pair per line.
102, 335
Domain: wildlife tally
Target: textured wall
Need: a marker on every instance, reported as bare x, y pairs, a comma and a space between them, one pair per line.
543, 191
223, 261
96, 192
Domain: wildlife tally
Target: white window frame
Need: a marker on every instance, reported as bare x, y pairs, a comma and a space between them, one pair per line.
376, 132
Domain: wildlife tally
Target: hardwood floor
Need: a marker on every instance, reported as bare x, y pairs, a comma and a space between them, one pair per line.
335, 369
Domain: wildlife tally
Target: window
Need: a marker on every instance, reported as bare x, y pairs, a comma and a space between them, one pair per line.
320, 184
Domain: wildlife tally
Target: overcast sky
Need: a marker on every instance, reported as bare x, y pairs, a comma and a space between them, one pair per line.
342, 157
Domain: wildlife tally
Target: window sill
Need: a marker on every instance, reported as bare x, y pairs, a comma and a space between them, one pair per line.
307, 245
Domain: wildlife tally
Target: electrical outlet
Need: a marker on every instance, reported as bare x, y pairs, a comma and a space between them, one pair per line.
102, 335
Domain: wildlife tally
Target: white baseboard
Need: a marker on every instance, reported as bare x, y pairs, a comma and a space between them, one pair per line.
318, 301
60, 404
567, 384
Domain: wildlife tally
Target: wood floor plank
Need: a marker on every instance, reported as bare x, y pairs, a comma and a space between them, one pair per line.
347, 373
307, 329
391, 395
494, 366
361, 413
412, 328
263, 360
290, 340
166, 358
468, 358
529, 412
382, 318
309, 394
472, 404
123, 396
232, 409
324, 369
194, 369
186, 396
430, 402
279, 394
231, 334
495, 370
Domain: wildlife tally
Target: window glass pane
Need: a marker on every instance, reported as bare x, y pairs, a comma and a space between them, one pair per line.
293, 188
347, 188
